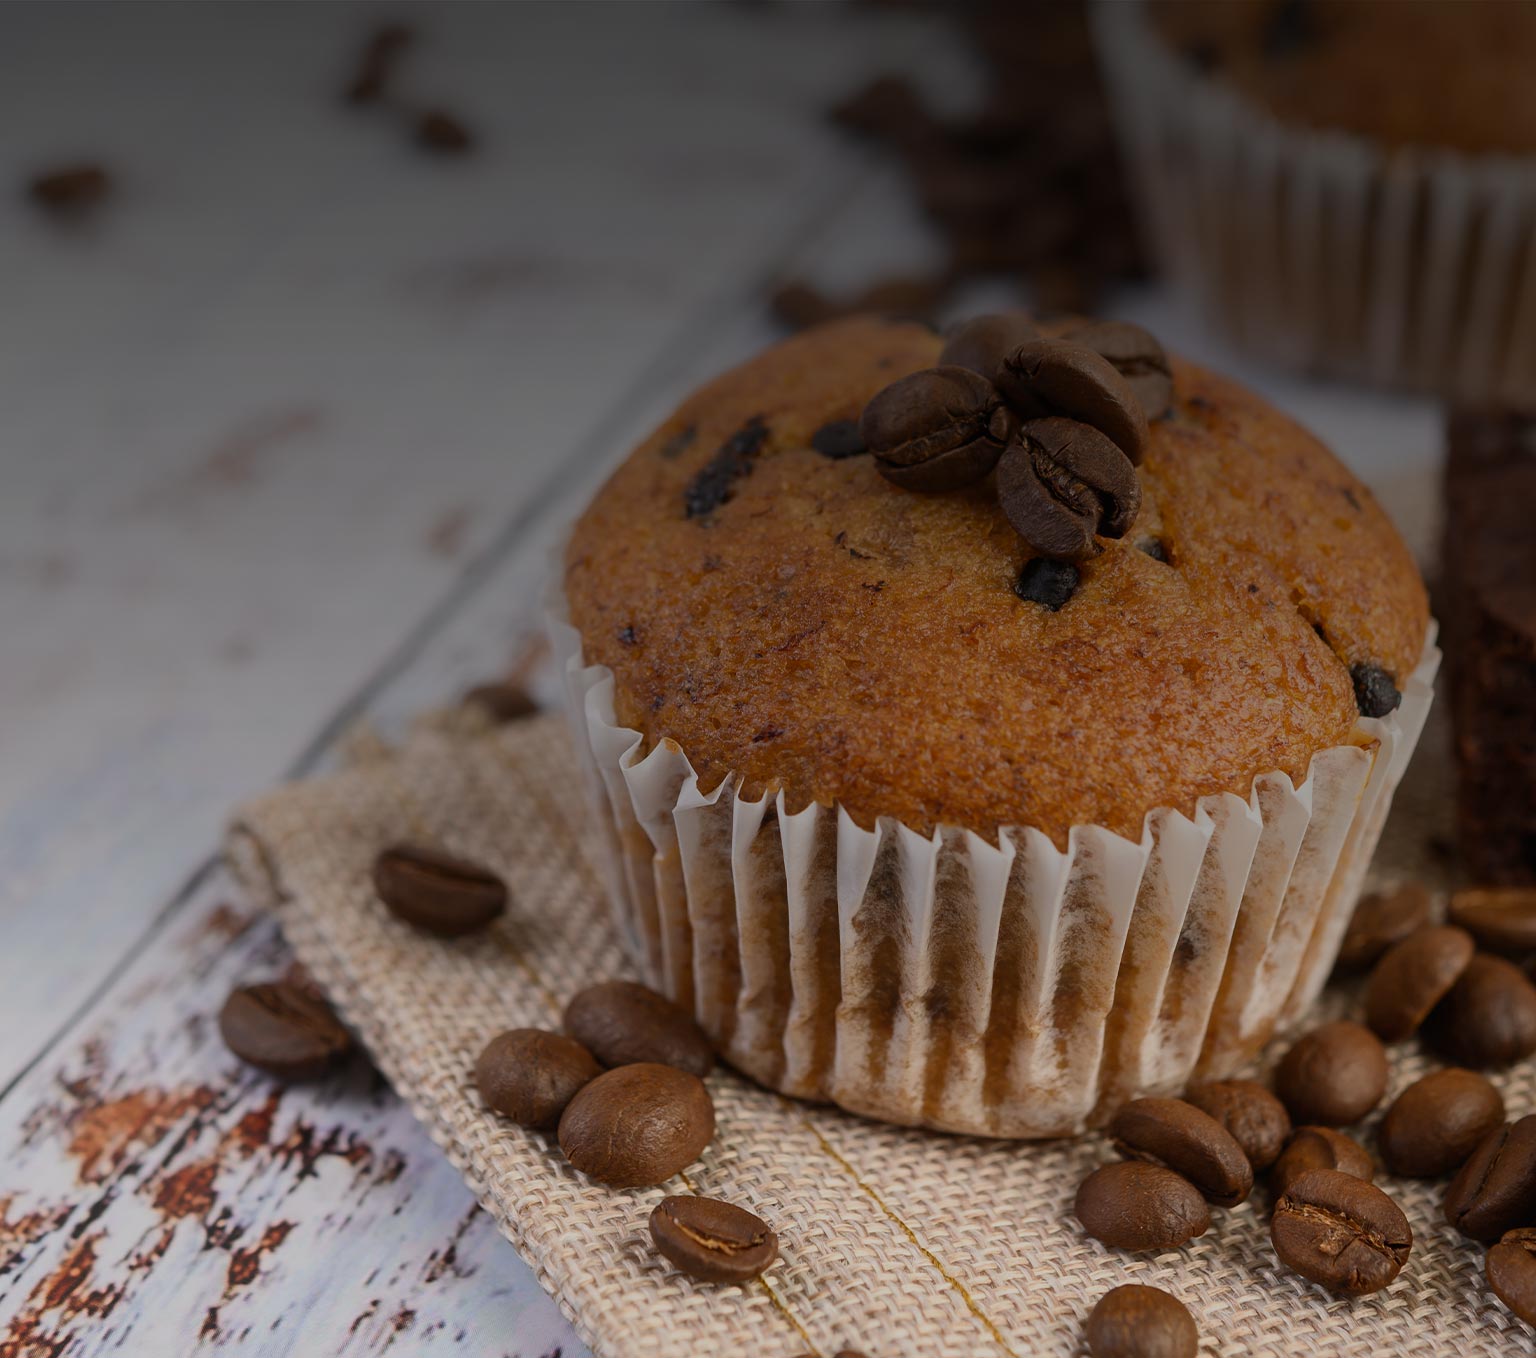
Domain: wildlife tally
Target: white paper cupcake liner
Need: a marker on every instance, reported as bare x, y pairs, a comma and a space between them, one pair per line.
1321, 249
1009, 990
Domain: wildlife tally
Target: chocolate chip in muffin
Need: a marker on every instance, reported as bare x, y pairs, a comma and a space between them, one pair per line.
679, 443
839, 439
628, 636
1046, 582
715, 481
1375, 693
1154, 548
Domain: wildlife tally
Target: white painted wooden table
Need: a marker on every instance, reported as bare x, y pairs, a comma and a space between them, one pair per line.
285, 441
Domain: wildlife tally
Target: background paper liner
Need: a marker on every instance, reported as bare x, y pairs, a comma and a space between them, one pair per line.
900, 1243
1010, 990
1322, 249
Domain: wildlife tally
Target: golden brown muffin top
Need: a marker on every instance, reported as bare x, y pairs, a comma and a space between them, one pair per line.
827, 633
1432, 73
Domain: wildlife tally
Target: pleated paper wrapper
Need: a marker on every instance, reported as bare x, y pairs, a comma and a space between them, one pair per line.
1411, 267
1006, 989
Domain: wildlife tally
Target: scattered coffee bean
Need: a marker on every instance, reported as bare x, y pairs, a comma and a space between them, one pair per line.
1437, 1122
982, 343
1341, 1232
1382, 919
530, 1075
440, 131
711, 1240
637, 1125
1062, 483
1511, 1267
1131, 351
1375, 693
1133, 1205
377, 63
282, 1030
70, 191
298, 976
1333, 1076
1133, 1321
1052, 377
1256, 1119
1319, 1148
1192, 1143
936, 430
1496, 1189
436, 891
839, 439
1488, 1020
1500, 918
622, 1022
715, 481
1046, 582
501, 702
1413, 977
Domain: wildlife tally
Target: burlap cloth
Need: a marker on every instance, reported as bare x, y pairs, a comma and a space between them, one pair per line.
902, 1244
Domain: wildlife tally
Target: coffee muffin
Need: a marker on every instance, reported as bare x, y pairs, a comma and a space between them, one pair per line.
1321, 204
921, 822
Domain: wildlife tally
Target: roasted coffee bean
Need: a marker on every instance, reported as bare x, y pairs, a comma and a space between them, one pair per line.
711, 1240
1134, 1205
937, 429
1375, 693
436, 891
1511, 1267
1319, 1148
501, 702
282, 1030
715, 482
70, 190
1133, 352
1178, 1135
1333, 1076
1500, 918
1496, 1189
637, 1125
1413, 977
839, 439
623, 1022
1052, 377
1382, 919
1341, 1232
1133, 1321
1488, 1020
1256, 1119
530, 1075
1061, 483
1436, 1123
982, 343
1048, 583
440, 131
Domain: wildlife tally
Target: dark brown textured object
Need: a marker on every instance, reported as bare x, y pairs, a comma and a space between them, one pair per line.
1054, 377
1488, 1019
1382, 919
1319, 1148
1256, 1119
436, 891
1062, 484
637, 1125
622, 1023
443, 132
1134, 1205
936, 430
530, 1075
1132, 351
501, 701
1496, 1189
283, 1031
1341, 1232
1500, 918
1135, 1321
70, 191
984, 342
1333, 1076
1413, 977
1435, 1124
1489, 561
1511, 1268
1179, 1136
714, 1241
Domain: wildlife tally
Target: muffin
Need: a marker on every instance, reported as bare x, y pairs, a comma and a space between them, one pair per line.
910, 835
1324, 209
